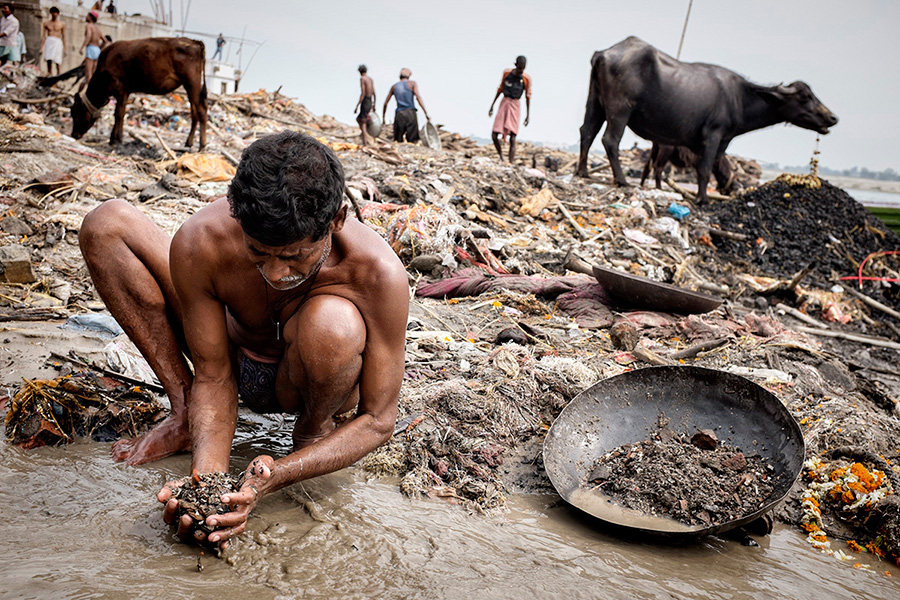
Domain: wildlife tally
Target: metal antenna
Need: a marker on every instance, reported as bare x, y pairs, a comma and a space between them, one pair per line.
686, 17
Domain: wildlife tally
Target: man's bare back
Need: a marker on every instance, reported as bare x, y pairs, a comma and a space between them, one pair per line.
367, 86
92, 35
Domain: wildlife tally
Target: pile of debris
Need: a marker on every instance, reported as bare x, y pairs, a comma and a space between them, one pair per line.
507, 324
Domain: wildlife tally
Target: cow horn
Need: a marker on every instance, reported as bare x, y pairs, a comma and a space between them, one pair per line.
785, 89
92, 110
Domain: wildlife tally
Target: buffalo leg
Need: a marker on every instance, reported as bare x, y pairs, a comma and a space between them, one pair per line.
651, 162
663, 156
704, 168
594, 116
615, 128
115, 137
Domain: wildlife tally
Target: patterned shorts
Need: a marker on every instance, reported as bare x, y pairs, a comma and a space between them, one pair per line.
256, 385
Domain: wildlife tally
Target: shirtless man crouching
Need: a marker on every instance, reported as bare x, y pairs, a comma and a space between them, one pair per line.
278, 299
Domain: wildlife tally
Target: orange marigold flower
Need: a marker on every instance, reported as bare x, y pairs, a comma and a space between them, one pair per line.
857, 487
855, 546
838, 474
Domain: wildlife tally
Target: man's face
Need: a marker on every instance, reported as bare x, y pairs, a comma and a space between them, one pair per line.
5, 10
520, 64
288, 267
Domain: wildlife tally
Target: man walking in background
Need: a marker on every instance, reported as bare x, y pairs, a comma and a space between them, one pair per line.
9, 34
93, 41
514, 83
366, 102
53, 41
405, 122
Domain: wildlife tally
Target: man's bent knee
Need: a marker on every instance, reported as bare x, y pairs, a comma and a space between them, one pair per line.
327, 332
104, 220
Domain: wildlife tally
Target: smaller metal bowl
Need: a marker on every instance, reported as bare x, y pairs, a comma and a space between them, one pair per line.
632, 291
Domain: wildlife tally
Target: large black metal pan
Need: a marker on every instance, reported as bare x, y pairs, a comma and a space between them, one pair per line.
624, 409
632, 291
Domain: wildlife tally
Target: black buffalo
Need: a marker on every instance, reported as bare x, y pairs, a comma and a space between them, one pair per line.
682, 158
697, 105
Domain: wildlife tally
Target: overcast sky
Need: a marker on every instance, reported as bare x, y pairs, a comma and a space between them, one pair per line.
848, 52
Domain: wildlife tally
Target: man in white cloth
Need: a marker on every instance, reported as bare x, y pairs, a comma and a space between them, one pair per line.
9, 34
53, 41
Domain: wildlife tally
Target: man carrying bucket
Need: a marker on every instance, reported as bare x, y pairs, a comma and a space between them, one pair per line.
514, 83
405, 122
366, 102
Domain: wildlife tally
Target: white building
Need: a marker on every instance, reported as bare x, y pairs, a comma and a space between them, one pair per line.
221, 77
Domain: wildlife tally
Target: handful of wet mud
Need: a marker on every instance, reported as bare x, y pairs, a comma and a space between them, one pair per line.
200, 497
696, 481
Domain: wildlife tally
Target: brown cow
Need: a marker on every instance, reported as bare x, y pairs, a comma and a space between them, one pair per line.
682, 158
148, 66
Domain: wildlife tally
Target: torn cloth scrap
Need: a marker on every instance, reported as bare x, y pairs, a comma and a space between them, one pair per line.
578, 296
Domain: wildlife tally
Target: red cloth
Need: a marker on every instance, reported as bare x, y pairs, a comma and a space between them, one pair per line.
507, 120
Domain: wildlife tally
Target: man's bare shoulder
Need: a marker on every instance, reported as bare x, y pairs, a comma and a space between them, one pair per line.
209, 235
374, 264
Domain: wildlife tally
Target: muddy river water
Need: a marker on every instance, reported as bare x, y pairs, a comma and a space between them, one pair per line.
78, 525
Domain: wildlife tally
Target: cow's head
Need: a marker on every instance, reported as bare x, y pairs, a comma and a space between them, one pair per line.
799, 106
84, 115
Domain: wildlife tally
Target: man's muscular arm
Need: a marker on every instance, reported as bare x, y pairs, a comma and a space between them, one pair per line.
212, 411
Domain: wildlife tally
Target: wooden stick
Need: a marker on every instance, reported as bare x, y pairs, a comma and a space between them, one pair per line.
728, 234
689, 194
801, 316
573, 263
709, 286
696, 349
873, 303
565, 211
649, 356
165, 146
799, 276
229, 157
20, 149
138, 137
853, 337
38, 100
151, 386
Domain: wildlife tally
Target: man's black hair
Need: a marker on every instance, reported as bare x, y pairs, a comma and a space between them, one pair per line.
363, 69
288, 187
53, 9
520, 57
11, 8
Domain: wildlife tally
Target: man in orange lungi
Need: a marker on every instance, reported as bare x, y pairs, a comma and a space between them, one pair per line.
514, 83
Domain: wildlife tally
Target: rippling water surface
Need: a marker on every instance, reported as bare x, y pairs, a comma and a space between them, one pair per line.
78, 525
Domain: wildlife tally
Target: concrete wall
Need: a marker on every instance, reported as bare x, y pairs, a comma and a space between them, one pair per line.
32, 13
221, 77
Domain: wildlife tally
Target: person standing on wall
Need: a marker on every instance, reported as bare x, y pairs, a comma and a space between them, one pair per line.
220, 42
